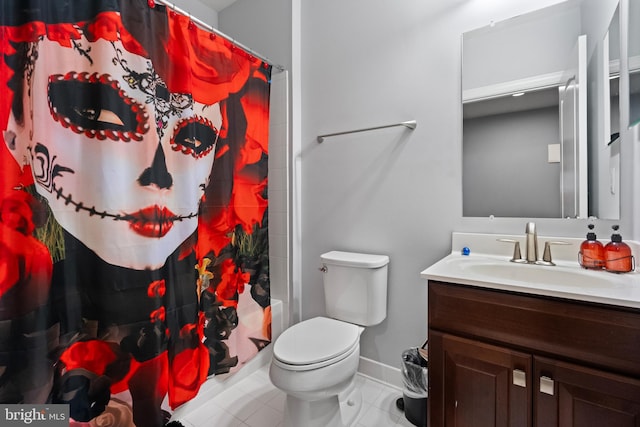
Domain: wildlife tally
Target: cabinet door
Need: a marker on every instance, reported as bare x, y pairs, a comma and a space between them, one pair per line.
568, 395
483, 385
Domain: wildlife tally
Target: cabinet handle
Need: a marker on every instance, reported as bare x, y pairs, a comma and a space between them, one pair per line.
546, 385
520, 378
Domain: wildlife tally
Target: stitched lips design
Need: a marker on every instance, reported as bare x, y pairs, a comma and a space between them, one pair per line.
152, 221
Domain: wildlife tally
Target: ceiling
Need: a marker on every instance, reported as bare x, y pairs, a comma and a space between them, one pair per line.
217, 5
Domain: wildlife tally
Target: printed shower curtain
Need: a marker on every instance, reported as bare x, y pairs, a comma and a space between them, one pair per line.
133, 208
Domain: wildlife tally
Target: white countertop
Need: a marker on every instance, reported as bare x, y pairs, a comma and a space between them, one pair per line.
564, 280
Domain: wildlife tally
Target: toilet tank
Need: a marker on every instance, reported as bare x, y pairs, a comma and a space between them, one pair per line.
355, 287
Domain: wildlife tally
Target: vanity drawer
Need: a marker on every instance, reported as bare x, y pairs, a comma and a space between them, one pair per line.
598, 335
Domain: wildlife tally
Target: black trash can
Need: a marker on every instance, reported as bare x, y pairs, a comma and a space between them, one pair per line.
415, 391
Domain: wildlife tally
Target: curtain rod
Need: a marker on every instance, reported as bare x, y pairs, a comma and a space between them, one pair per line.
411, 124
208, 27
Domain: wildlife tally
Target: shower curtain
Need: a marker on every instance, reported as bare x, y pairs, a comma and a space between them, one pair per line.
133, 208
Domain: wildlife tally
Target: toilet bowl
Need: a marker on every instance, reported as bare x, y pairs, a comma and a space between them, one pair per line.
315, 361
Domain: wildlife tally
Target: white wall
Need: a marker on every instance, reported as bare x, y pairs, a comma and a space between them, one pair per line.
278, 192
198, 10
261, 25
393, 191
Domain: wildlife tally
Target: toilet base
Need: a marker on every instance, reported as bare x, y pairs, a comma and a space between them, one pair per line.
335, 411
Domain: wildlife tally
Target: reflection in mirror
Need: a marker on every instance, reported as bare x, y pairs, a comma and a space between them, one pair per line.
573, 133
634, 62
507, 144
515, 156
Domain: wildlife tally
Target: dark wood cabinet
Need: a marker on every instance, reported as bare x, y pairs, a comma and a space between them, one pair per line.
580, 396
504, 359
478, 376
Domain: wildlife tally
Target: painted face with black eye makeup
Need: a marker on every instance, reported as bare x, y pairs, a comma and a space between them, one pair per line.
122, 161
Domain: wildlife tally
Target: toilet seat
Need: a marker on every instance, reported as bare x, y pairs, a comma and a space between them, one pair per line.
315, 343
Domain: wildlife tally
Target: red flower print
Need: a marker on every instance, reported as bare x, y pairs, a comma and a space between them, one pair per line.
25, 263
158, 315
28, 32
105, 25
108, 26
232, 283
255, 104
195, 63
156, 289
214, 232
94, 356
62, 33
248, 204
187, 371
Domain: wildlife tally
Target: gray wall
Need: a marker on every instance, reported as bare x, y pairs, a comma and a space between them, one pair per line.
397, 192
393, 191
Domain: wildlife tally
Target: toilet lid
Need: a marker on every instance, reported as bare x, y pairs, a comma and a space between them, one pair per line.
315, 340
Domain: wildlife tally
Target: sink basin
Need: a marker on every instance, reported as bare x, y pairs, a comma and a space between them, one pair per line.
488, 266
532, 273
499, 270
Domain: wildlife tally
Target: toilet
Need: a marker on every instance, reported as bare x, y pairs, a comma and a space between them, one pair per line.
315, 361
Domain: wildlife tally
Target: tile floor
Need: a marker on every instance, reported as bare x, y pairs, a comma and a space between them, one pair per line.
255, 402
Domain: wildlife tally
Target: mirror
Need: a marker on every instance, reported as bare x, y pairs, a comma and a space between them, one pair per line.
634, 63
535, 116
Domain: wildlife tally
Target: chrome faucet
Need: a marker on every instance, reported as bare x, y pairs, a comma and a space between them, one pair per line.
531, 253
531, 248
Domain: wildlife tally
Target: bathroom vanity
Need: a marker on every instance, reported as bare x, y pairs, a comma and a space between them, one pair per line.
507, 351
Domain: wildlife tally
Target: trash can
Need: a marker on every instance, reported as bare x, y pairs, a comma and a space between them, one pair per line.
415, 391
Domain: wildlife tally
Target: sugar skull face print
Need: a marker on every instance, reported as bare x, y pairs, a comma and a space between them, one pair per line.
122, 161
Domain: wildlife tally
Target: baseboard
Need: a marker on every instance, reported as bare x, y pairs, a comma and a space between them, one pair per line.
380, 372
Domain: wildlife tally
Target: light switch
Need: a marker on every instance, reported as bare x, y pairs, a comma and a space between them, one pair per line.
553, 153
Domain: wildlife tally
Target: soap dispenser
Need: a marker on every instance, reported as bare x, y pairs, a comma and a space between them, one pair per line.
617, 254
591, 254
